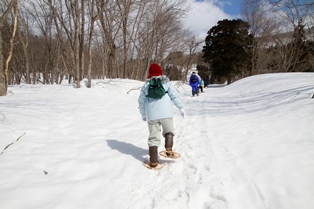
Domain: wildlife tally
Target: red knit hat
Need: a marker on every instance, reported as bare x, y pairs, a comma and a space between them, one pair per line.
154, 70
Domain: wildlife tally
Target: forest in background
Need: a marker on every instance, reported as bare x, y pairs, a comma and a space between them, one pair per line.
48, 40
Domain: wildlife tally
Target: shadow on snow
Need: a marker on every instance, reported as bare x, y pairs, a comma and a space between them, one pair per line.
128, 149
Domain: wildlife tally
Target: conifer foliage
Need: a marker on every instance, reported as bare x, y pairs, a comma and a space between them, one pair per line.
227, 49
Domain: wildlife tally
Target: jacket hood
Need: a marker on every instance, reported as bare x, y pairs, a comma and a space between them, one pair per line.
163, 78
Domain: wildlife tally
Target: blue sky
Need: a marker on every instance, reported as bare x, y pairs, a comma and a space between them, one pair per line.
205, 14
231, 7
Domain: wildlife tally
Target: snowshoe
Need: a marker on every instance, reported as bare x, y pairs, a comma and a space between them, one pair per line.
169, 154
158, 167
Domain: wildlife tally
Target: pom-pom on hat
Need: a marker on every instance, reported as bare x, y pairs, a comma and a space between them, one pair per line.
154, 70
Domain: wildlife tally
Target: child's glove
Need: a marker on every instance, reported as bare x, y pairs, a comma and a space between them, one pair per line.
144, 118
182, 112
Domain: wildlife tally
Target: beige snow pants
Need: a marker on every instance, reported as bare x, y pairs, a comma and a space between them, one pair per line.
154, 127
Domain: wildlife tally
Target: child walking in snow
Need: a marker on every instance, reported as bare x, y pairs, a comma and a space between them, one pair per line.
159, 113
194, 83
202, 86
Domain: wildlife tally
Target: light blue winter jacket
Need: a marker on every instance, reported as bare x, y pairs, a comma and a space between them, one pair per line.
154, 109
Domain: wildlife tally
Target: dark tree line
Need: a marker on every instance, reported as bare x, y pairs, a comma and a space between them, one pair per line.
272, 36
229, 51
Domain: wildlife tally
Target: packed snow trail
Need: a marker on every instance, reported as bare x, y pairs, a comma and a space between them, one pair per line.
196, 180
205, 167
214, 158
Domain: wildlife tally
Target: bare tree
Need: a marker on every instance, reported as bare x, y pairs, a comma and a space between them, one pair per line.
124, 9
4, 70
3, 80
290, 44
92, 18
23, 36
110, 27
159, 33
74, 11
262, 26
68, 15
193, 44
97, 38
272, 24
43, 16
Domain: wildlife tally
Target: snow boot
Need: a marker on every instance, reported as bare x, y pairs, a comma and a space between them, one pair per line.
153, 156
168, 142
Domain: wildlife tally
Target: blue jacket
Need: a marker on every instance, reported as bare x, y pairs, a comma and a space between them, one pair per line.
198, 80
154, 109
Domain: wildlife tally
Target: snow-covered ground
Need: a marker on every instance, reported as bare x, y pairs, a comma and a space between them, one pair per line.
249, 145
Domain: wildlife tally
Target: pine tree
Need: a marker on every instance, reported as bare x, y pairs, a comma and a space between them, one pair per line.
226, 49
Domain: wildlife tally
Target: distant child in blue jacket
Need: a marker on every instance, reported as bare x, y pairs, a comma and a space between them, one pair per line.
194, 83
159, 113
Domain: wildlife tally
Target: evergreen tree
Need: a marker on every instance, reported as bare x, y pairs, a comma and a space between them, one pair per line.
294, 56
227, 49
298, 48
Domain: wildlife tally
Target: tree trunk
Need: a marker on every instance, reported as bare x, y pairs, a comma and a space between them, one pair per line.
90, 57
26, 57
76, 52
3, 69
11, 44
3, 87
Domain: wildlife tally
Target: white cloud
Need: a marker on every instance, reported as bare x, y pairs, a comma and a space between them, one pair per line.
202, 16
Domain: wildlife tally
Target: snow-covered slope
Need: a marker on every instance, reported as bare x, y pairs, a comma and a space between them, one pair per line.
248, 145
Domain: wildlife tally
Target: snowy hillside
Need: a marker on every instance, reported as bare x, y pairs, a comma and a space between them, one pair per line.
249, 145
